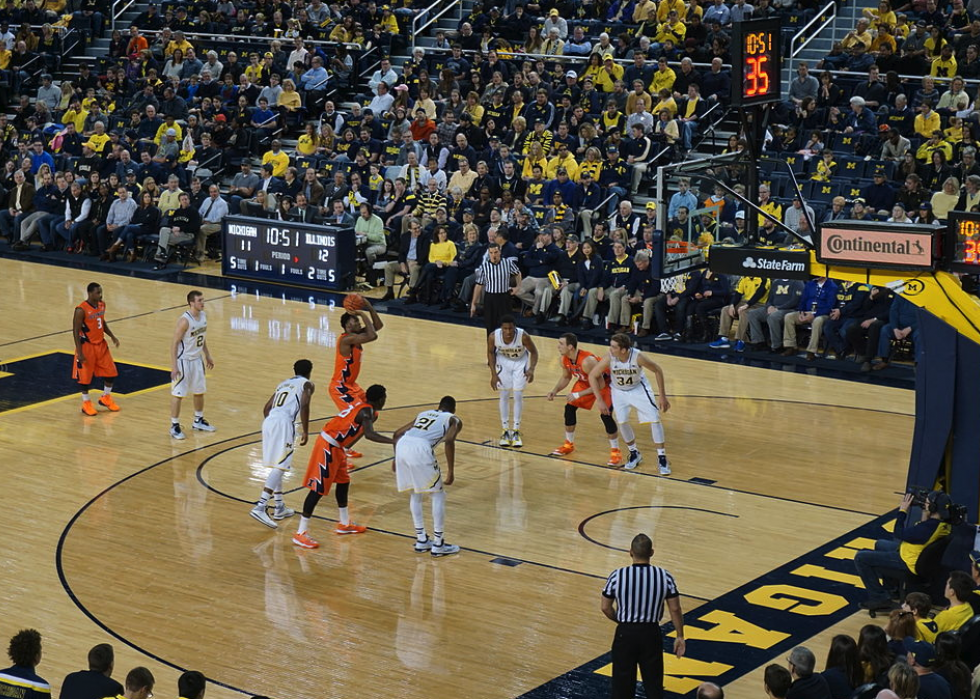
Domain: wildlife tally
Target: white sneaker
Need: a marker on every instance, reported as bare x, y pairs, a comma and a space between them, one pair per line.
423, 546
664, 466
635, 459
260, 515
505, 438
201, 424
444, 550
515, 439
281, 513
176, 432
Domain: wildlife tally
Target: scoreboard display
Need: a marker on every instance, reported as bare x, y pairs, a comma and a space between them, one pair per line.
756, 62
962, 249
299, 254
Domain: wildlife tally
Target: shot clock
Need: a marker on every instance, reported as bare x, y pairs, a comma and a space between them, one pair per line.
962, 249
756, 62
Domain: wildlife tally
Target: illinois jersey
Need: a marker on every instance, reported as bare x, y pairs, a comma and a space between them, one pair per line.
344, 390
343, 430
328, 462
93, 330
192, 344
582, 380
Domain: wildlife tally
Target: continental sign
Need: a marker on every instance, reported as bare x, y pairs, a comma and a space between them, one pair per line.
750, 626
891, 246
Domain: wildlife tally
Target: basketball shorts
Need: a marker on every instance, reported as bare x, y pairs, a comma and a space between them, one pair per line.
640, 399
345, 395
328, 465
98, 362
278, 437
510, 376
190, 381
586, 402
416, 467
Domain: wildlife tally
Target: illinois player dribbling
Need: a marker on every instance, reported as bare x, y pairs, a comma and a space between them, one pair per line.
328, 462
359, 329
92, 356
576, 364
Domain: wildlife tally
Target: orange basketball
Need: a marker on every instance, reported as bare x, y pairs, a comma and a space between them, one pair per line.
353, 302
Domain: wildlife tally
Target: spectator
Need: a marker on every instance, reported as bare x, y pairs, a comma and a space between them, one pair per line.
96, 682
784, 297
751, 293
843, 672
922, 658
959, 591
191, 685
21, 680
814, 309
806, 684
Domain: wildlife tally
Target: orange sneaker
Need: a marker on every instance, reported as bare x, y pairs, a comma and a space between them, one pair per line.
564, 450
107, 401
350, 528
88, 408
351, 454
305, 541
615, 458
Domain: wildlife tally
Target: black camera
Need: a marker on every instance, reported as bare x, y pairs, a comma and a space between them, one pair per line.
957, 514
920, 496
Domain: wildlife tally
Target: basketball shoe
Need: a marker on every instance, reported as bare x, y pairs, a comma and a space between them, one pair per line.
176, 432
351, 454
305, 541
201, 424
107, 401
615, 458
635, 459
281, 513
444, 549
350, 528
505, 439
564, 450
515, 439
259, 514
423, 546
664, 465
88, 408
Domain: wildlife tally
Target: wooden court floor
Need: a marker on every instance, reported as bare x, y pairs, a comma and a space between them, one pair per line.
115, 533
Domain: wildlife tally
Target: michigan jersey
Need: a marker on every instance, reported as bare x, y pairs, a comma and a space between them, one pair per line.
287, 399
431, 426
513, 351
192, 344
627, 375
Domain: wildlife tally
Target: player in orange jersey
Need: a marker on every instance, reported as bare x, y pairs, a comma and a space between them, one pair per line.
328, 462
359, 329
577, 364
92, 356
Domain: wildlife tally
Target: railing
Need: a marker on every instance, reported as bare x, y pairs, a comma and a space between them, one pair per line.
118, 8
430, 15
824, 18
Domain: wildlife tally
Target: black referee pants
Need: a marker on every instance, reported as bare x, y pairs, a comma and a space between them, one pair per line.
495, 307
637, 645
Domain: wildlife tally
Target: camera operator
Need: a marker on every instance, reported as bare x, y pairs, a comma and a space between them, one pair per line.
897, 557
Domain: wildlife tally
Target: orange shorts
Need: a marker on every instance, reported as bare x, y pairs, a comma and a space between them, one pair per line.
328, 465
345, 396
586, 402
98, 362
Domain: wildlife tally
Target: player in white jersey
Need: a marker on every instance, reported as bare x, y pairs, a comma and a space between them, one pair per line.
631, 391
189, 356
512, 356
290, 400
416, 469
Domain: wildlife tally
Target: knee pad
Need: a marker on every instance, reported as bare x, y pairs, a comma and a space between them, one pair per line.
571, 415
609, 423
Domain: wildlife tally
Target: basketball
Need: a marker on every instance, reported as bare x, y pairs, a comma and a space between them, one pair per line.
353, 302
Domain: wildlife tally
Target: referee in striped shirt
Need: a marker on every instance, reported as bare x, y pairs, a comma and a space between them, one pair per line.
493, 282
634, 598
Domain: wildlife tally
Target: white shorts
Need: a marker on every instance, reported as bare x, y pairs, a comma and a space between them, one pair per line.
511, 375
416, 467
191, 381
642, 399
278, 437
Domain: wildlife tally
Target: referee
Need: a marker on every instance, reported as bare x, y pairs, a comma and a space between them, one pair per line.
493, 282
634, 598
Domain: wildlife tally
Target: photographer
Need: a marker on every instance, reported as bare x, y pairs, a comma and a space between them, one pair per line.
897, 557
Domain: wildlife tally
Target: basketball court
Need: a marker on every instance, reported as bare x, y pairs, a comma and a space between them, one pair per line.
116, 533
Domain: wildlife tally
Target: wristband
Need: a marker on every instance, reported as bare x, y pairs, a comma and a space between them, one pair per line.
573, 395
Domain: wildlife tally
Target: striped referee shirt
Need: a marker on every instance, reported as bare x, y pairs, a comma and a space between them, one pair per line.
640, 591
495, 278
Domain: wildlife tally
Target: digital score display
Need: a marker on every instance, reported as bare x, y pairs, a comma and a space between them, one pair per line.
756, 59
289, 253
962, 249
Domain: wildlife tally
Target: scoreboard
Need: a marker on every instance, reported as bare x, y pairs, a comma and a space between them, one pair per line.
756, 62
300, 254
962, 249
